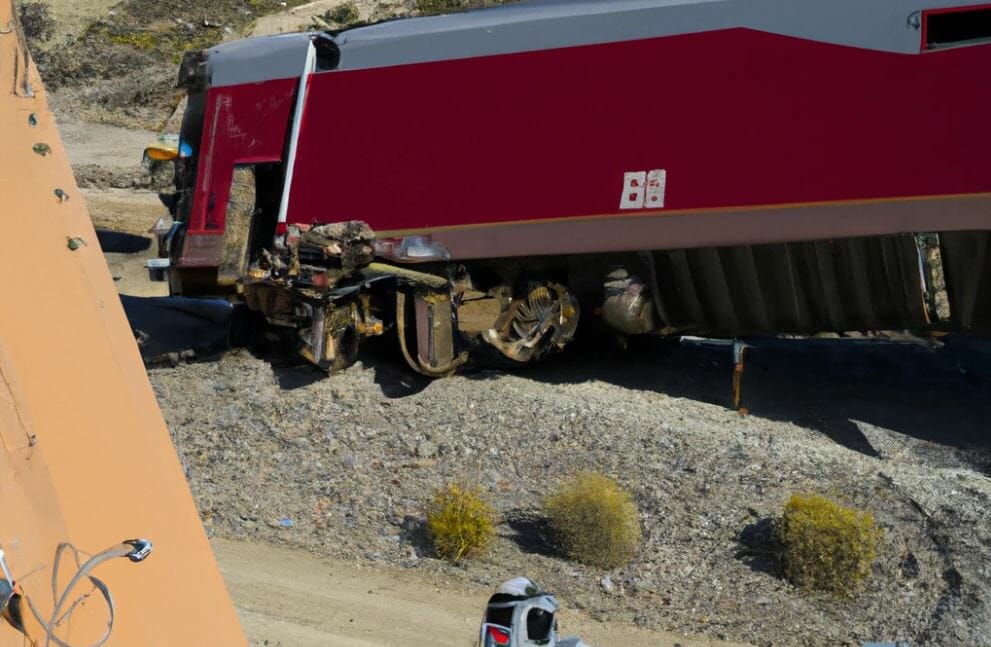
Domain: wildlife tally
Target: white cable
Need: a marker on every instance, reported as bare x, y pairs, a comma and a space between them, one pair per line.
134, 549
6, 569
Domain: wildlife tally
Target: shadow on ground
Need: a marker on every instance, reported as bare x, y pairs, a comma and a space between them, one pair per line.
939, 394
531, 532
392, 375
758, 547
413, 532
934, 394
120, 243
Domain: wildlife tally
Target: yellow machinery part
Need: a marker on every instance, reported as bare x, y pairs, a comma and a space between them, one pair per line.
161, 153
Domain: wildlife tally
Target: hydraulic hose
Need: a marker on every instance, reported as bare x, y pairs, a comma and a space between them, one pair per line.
134, 549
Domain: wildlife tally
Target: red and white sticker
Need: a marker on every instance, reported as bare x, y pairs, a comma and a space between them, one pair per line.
634, 190
644, 189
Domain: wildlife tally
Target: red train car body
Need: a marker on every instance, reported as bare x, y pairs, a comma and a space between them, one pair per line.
712, 166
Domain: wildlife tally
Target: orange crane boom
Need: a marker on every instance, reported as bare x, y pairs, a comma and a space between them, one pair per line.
85, 456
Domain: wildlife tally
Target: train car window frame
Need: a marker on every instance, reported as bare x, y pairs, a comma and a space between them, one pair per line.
950, 30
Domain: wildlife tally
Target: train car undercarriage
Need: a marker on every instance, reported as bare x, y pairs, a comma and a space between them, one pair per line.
324, 285
327, 287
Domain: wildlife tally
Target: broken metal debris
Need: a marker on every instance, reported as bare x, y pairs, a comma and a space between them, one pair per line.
546, 319
315, 257
423, 278
322, 284
295, 286
411, 249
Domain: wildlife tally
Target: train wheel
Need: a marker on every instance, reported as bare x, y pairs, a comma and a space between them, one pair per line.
543, 321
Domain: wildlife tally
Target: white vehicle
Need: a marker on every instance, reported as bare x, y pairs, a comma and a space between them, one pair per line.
519, 614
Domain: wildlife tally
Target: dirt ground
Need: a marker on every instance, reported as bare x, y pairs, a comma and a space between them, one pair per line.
293, 599
72, 16
341, 467
302, 16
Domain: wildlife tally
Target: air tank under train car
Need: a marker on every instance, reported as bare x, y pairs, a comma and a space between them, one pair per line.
477, 183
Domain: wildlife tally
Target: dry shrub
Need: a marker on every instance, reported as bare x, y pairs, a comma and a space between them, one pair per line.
460, 522
427, 7
826, 546
346, 13
36, 20
595, 520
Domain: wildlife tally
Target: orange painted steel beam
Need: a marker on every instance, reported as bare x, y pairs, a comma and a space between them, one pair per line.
85, 456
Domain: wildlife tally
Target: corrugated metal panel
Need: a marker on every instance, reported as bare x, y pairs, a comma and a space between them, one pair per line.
967, 266
838, 285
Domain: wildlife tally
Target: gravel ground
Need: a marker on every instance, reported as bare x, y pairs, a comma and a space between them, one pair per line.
341, 466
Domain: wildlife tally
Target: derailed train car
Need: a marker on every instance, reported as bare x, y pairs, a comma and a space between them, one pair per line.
477, 182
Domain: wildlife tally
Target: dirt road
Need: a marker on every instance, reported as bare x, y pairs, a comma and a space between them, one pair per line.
72, 16
302, 16
291, 598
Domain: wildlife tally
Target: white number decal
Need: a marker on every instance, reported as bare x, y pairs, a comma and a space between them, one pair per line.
634, 190
644, 189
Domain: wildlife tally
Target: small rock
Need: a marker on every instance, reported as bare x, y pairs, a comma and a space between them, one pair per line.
607, 584
426, 449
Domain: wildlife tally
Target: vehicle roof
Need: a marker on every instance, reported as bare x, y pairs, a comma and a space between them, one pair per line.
884, 25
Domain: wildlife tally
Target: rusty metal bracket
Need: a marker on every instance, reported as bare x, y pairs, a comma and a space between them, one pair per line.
445, 366
739, 353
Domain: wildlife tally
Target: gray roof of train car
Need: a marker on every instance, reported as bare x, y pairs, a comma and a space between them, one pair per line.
549, 24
